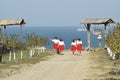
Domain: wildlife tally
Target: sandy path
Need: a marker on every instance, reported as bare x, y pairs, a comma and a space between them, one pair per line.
59, 67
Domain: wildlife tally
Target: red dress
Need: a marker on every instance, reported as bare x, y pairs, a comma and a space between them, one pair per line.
61, 46
73, 48
79, 47
55, 46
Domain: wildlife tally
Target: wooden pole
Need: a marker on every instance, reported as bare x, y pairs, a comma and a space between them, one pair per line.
21, 33
21, 55
10, 56
4, 36
14, 55
88, 36
3, 42
106, 32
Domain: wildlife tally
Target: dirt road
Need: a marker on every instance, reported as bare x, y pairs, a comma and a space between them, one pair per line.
58, 67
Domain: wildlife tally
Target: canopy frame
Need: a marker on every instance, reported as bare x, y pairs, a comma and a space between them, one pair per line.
6, 22
97, 21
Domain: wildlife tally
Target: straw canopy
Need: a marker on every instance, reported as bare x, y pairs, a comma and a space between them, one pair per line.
97, 21
7, 22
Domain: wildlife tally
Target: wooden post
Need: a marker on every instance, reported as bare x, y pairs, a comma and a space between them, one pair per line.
14, 55
30, 53
106, 32
88, 36
3, 42
21, 32
4, 33
21, 54
0, 56
38, 51
10, 56
33, 51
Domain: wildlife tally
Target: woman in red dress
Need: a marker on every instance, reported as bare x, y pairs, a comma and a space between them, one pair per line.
55, 43
73, 46
61, 45
79, 45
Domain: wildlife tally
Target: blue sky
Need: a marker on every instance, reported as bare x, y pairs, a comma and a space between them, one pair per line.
59, 12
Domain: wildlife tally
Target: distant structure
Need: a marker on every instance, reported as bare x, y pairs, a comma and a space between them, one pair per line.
97, 21
7, 22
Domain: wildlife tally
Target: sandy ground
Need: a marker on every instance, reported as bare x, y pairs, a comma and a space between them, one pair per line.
58, 67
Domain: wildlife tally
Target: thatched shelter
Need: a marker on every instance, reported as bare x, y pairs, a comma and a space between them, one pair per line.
97, 21
7, 22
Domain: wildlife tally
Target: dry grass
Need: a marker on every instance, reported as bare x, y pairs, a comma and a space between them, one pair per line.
102, 66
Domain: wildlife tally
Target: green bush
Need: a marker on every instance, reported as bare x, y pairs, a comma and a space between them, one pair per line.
113, 40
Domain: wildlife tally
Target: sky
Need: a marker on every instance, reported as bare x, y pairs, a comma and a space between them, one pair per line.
58, 12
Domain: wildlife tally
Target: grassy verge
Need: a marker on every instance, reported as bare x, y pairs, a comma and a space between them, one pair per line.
102, 66
8, 68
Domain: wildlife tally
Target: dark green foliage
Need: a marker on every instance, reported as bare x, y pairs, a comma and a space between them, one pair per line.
113, 40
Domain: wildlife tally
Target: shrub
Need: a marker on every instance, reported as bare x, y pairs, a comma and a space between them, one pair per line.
113, 40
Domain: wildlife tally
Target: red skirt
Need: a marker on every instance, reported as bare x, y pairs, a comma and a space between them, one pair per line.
79, 47
73, 48
61, 48
55, 46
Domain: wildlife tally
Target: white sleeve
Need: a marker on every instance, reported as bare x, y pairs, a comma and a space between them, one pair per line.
53, 40
80, 42
64, 43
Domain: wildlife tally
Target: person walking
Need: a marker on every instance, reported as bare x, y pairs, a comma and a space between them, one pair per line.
73, 46
79, 45
55, 44
61, 46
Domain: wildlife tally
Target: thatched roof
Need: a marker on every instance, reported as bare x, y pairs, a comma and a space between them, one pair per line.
6, 22
97, 21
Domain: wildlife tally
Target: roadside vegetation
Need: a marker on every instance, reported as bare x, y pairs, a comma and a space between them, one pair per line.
103, 67
106, 68
113, 41
16, 54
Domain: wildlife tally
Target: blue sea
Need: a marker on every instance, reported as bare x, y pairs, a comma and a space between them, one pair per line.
67, 33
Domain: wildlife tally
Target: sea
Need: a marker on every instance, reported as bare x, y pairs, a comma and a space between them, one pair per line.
67, 33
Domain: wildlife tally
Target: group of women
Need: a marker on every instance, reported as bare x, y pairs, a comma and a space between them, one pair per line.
59, 45
76, 46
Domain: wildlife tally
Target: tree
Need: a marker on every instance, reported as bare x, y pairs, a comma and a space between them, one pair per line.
33, 40
12, 42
